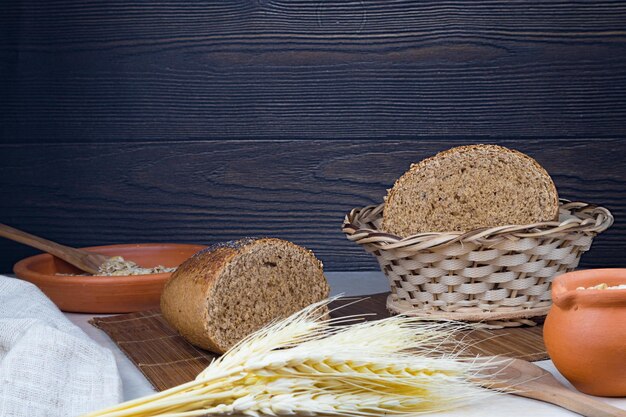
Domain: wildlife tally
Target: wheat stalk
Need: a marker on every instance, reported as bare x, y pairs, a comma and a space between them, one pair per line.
304, 366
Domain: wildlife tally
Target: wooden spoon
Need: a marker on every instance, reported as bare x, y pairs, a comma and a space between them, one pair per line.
81, 259
519, 377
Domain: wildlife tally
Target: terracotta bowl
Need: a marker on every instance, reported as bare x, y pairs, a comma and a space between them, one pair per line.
585, 331
117, 294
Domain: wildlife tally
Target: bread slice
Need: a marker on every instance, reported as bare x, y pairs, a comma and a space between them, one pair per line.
229, 290
470, 187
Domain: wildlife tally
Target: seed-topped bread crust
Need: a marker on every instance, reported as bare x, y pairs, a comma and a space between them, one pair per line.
227, 291
470, 187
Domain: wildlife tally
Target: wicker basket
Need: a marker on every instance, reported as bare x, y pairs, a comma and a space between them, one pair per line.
499, 276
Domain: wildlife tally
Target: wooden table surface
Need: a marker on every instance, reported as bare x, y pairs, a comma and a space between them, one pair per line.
198, 122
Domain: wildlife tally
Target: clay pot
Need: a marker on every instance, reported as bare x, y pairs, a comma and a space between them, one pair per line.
585, 331
117, 294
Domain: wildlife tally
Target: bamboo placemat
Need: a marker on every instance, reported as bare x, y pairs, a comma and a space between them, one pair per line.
167, 360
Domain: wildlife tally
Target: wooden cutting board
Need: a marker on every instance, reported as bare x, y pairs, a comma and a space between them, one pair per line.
167, 360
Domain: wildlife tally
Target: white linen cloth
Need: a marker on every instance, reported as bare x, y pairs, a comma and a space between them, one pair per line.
48, 366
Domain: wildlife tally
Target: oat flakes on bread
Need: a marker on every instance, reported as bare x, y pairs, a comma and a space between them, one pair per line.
227, 291
470, 187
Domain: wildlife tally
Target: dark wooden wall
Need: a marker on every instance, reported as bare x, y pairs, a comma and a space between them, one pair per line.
201, 121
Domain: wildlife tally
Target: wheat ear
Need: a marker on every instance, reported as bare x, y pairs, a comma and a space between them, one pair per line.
304, 365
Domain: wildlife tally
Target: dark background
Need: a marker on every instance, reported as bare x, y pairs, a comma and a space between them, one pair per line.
202, 121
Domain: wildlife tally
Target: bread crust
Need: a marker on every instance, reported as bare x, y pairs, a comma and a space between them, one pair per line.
185, 298
391, 195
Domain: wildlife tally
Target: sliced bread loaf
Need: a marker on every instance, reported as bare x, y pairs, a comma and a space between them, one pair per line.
229, 290
470, 187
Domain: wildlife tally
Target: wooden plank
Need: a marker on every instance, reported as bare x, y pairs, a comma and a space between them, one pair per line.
167, 360
276, 69
210, 191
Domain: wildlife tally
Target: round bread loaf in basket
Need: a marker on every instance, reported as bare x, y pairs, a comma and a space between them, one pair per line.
499, 276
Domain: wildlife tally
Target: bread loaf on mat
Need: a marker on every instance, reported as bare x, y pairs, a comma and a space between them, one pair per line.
470, 187
225, 292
